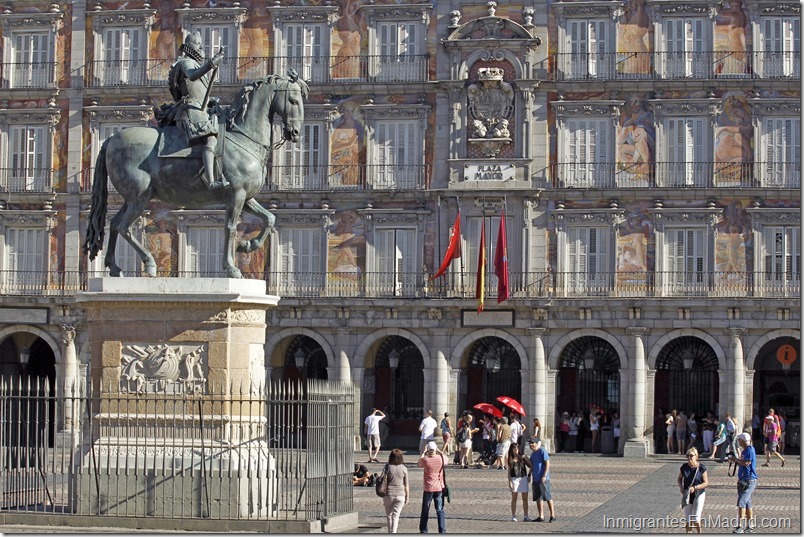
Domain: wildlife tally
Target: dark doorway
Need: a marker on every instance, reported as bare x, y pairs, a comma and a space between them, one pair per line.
494, 370
686, 377
777, 385
304, 351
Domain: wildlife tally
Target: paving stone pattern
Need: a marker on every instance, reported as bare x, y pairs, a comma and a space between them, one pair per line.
586, 490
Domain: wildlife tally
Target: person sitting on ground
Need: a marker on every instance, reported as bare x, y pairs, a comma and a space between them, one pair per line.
361, 475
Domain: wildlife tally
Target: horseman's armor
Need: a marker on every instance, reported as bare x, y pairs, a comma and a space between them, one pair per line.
190, 77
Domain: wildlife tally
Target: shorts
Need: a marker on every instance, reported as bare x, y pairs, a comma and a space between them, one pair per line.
520, 484
773, 446
374, 441
467, 444
542, 491
681, 434
744, 497
502, 448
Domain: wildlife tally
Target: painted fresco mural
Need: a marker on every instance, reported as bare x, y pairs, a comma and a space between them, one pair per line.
636, 141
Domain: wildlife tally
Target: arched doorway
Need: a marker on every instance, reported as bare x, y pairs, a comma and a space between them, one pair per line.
777, 385
304, 359
399, 393
588, 381
686, 377
28, 367
494, 369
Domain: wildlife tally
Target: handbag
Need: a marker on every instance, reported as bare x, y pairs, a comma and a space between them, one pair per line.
685, 496
742, 485
381, 485
445, 492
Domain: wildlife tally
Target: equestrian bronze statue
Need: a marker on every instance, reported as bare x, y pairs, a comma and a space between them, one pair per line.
145, 163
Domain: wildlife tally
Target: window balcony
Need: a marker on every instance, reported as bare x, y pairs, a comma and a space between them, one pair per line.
457, 285
29, 75
241, 70
702, 65
350, 177
26, 180
603, 175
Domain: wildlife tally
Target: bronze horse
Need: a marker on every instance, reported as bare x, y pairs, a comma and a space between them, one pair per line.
130, 161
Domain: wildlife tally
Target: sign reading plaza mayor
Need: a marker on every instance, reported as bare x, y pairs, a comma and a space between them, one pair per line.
498, 171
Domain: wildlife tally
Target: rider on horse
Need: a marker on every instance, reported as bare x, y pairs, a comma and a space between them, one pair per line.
190, 80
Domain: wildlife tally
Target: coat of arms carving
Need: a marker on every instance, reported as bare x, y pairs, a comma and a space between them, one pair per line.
491, 106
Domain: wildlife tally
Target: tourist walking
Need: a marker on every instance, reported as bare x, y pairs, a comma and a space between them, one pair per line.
503, 442
518, 480
427, 427
670, 423
731, 433
540, 476
398, 489
433, 463
720, 440
372, 429
692, 483
516, 429
746, 483
446, 433
771, 432
464, 438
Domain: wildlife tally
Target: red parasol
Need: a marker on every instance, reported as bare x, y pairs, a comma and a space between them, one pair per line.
513, 404
489, 409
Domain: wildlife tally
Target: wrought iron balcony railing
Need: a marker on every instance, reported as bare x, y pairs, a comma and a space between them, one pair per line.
350, 177
314, 69
588, 175
675, 65
460, 285
29, 75
26, 179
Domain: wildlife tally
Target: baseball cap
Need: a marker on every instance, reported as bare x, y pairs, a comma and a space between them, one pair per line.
431, 446
745, 437
533, 441
768, 418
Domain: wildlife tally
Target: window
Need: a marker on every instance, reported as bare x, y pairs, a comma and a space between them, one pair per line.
400, 54
302, 166
27, 159
587, 153
306, 52
686, 259
125, 255
25, 271
30, 61
687, 47
782, 257
588, 47
587, 259
213, 37
204, 251
782, 151
300, 261
123, 57
395, 262
781, 47
686, 143
398, 160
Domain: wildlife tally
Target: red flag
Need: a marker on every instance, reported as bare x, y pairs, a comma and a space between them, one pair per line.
501, 262
480, 288
453, 249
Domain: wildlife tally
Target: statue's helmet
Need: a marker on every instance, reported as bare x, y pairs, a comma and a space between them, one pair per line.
193, 47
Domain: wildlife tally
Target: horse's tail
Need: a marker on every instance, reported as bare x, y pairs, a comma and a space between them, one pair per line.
97, 213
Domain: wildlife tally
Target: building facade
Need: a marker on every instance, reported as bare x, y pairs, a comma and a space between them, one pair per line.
644, 154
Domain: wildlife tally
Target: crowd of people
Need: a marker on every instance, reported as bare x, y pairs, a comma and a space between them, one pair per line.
499, 442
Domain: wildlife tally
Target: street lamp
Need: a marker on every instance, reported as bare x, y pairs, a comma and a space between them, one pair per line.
25, 355
589, 360
393, 358
300, 357
688, 360
491, 360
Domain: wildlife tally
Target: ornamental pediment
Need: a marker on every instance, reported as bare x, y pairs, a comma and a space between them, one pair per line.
490, 28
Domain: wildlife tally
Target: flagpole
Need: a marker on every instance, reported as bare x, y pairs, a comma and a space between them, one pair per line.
458, 202
438, 217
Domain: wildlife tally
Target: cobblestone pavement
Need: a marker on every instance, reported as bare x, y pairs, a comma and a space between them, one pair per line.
590, 494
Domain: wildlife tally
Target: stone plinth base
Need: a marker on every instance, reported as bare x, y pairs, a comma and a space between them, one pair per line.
636, 449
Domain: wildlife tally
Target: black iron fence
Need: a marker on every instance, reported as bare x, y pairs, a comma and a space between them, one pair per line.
281, 451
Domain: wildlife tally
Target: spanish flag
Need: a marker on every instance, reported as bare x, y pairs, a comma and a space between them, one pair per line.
480, 289
501, 262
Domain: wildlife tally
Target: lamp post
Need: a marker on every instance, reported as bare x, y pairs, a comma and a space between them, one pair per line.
491, 361
300, 357
393, 359
688, 360
589, 360
25, 356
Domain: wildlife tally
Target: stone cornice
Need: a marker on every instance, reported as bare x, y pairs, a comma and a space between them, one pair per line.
302, 15
394, 12
124, 17
31, 21
216, 15
601, 8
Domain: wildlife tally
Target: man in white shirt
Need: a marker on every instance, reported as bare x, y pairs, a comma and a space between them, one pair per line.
373, 433
516, 429
427, 428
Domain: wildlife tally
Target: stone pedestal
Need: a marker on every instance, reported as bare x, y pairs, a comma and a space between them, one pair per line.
179, 366
636, 449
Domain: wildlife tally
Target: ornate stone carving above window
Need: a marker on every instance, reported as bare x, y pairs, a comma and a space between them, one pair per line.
301, 15
675, 8
99, 114
10, 21
564, 10
26, 116
125, 17
392, 12
782, 107
218, 15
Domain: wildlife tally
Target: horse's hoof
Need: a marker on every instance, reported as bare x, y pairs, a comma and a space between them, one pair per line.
234, 273
115, 272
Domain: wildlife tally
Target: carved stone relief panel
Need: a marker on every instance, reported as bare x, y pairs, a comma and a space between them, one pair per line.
162, 368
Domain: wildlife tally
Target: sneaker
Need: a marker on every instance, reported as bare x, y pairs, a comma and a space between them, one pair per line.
513, 519
749, 530
738, 529
539, 519
527, 519
552, 518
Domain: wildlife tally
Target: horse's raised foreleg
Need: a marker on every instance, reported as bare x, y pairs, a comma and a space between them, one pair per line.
127, 215
252, 206
233, 211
